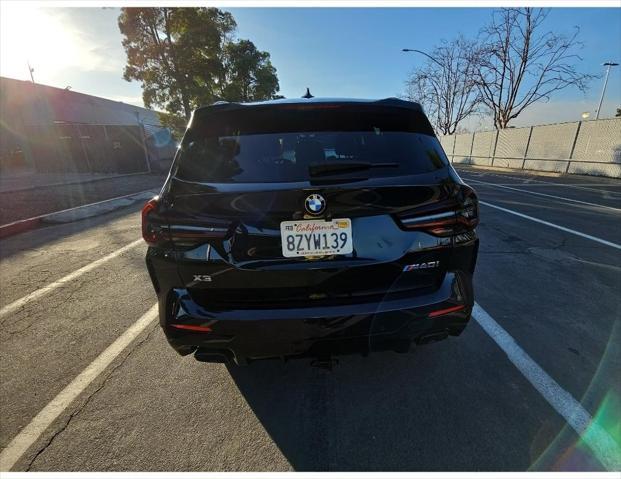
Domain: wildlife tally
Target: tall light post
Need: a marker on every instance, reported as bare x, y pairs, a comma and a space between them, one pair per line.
422, 53
601, 100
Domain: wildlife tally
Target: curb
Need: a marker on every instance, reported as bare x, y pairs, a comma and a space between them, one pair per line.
18, 227
74, 214
76, 182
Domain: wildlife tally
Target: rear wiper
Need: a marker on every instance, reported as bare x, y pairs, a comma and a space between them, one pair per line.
326, 169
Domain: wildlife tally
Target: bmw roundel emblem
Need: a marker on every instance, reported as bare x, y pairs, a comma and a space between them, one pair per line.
315, 204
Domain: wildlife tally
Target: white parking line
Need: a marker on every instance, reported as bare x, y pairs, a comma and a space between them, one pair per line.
545, 184
599, 441
27, 436
9, 308
494, 185
526, 181
552, 225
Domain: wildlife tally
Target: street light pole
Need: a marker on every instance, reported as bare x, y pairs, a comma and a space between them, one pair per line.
601, 100
422, 53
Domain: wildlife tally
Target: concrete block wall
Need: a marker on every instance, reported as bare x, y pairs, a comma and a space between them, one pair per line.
586, 148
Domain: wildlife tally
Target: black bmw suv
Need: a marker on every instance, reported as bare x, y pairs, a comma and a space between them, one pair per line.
310, 228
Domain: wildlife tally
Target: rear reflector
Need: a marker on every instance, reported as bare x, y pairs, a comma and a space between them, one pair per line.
192, 327
452, 309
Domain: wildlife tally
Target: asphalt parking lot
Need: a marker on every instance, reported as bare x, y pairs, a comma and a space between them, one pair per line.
88, 381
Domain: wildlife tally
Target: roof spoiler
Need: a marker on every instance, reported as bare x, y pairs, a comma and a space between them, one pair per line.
231, 106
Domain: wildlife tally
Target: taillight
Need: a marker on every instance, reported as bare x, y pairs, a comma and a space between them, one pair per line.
439, 224
463, 216
441, 312
469, 212
156, 230
192, 327
185, 235
151, 232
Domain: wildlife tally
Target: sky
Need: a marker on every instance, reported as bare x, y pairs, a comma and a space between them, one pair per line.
337, 52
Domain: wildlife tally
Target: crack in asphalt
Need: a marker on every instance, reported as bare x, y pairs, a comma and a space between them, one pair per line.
55, 302
90, 396
33, 312
18, 331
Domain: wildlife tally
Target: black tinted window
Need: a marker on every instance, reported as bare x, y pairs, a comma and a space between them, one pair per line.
241, 148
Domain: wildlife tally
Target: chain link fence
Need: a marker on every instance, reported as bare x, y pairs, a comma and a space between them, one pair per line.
585, 148
62, 147
160, 146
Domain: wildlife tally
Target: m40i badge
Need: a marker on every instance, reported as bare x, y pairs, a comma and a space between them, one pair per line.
415, 266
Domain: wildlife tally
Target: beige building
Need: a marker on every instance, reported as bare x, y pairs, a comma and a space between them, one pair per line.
49, 129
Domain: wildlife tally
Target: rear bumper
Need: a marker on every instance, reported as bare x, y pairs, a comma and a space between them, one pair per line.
245, 335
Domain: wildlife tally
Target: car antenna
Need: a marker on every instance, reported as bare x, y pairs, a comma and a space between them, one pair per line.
307, 94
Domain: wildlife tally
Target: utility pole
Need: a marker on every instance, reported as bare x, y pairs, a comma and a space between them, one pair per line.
601, 100
30, 70
143, 137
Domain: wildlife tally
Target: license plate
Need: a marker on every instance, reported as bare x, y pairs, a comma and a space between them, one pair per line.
316, 237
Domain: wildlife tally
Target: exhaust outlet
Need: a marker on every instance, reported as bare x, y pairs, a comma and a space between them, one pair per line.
432, 337
211, 357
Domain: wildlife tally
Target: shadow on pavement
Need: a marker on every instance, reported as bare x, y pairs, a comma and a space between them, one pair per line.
39, 237
455, 405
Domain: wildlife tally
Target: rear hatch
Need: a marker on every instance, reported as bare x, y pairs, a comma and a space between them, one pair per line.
243, 171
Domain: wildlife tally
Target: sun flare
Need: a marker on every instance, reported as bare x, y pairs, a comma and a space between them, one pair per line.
37, 36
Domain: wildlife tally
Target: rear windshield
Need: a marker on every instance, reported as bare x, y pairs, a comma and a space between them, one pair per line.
289, 145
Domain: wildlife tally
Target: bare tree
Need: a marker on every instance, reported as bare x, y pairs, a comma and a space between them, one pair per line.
519, 64
445, 84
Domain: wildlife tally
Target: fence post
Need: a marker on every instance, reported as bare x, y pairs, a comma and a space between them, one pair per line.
495, 145
84, 152
144, 145
106, 165
471, 147
24, 143
573, 147
530, 133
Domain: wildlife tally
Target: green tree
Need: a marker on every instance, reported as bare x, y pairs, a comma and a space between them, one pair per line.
249, 74
618, 114
175, 123
187, 57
